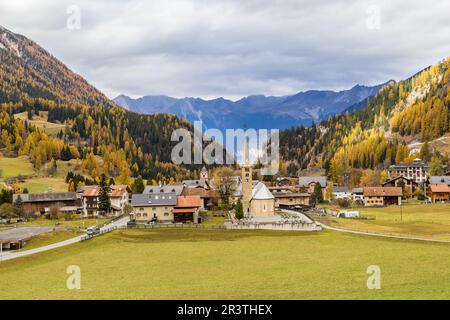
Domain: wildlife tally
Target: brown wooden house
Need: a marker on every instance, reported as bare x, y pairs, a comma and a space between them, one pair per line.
408, 186
439, 193
44, 203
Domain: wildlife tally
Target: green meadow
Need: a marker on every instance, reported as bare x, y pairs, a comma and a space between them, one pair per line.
430, 221
223, 264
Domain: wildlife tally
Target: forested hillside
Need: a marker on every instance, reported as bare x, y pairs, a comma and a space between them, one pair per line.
377, 135
106, 137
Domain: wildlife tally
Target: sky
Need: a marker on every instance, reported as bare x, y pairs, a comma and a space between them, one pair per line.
234, 48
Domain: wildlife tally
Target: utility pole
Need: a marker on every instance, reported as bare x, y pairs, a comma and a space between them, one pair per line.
1, 251
401, 212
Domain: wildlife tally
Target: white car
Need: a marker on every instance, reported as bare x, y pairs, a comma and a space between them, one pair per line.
348, 214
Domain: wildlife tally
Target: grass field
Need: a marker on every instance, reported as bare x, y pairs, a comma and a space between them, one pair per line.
424, 220
41, 122
44, 184
202, 264
12, 167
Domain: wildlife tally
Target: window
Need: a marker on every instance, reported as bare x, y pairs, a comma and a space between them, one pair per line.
141, 209
166, 214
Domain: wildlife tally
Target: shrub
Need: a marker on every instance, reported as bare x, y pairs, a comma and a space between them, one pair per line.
420, 194
343, 203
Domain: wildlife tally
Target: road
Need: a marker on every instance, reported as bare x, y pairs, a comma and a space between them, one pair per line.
8, 255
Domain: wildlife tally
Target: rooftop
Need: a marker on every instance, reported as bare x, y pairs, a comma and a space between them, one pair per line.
440, 188
383, 192
261, 192
152, 200
118, 191
306, 181
340, 189
188, 201
439, 180
47, 197
174, 189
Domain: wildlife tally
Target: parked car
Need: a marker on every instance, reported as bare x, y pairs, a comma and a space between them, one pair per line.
131, 223
92, 231
348, 214
3, 221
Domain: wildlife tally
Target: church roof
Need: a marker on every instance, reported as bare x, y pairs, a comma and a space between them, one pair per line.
261, 192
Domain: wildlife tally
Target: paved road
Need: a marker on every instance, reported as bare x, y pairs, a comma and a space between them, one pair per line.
13, 255
382, 235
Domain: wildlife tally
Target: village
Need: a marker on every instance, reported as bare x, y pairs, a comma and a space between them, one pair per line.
244, 202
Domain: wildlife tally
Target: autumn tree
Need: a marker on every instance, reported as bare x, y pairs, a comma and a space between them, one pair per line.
224, 181
436, 166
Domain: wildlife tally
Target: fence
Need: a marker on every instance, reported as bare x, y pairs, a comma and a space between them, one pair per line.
175, 226
276, 226
101, 232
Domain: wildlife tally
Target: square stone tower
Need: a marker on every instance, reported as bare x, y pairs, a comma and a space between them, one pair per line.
247, 183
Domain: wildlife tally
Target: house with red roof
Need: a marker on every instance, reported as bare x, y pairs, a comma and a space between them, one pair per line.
187, 208
439, 193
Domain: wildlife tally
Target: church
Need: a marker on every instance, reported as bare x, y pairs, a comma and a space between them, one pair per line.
257, 200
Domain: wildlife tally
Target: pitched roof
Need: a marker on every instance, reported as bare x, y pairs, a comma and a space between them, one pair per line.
439, 180
357, 190
188, 201
383, 192
152, 200
174, 189
196, 183
441, 188
46, 197
261, 192
398, 178
91, 191
306, 181
118, 191
340, 189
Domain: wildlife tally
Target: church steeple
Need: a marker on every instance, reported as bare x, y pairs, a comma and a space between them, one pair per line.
204, 174
247, 176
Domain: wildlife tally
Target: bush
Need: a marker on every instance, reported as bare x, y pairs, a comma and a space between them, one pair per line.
420, 194
343, 203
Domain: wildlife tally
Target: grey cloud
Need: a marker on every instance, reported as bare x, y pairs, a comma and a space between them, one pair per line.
235, 48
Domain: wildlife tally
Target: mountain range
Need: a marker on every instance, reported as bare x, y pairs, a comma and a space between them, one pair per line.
356, 129
256, 111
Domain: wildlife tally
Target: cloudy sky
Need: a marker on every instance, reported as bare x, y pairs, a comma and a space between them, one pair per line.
234, 48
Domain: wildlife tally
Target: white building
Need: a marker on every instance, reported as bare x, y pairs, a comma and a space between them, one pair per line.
417, 171
358, 195
342, 193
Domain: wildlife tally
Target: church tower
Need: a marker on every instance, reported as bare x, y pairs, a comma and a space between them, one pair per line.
204, 174
247, 184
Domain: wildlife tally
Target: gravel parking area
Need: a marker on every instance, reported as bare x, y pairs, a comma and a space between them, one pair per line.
22, 233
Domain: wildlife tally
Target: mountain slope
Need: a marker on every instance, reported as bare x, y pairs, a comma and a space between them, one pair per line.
35, 82
29, 70
376, 133
254, 111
